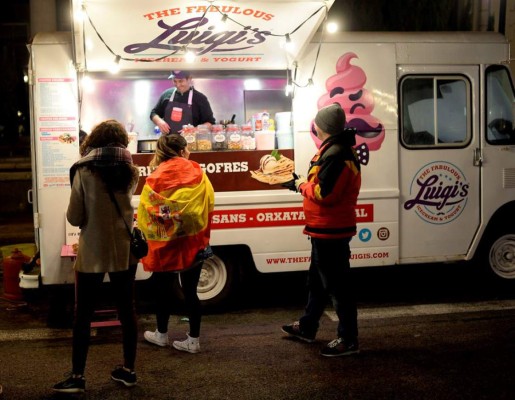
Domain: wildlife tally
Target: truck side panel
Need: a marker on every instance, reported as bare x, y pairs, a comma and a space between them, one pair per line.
362, 78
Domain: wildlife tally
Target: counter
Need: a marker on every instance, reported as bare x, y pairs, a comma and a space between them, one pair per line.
227, 170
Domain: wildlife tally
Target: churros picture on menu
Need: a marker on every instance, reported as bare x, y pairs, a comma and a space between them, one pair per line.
274, 169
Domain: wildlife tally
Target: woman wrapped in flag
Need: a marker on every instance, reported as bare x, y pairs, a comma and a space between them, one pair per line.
174, 213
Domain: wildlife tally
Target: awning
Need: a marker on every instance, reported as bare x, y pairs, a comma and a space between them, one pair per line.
156, 35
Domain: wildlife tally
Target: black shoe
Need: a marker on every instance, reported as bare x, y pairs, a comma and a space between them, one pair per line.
338, 347
295, 331
120, 374
71, 385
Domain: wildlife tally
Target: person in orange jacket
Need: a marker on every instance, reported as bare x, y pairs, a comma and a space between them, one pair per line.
330, 194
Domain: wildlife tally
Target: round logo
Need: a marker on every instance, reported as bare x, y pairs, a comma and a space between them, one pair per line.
438, 193
365, 235
383, 233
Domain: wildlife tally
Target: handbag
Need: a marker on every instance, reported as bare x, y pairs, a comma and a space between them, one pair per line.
138, 241
139, 245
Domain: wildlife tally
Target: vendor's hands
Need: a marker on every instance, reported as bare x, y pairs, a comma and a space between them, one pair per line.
163, 126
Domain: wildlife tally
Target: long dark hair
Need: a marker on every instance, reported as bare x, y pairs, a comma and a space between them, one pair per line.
122, 176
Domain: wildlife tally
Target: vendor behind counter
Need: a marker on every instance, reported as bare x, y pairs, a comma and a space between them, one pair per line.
181, 105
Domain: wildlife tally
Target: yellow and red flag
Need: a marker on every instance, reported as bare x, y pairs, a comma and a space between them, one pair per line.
176, 205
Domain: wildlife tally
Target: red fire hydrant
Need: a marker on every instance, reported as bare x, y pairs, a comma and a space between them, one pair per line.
12, 267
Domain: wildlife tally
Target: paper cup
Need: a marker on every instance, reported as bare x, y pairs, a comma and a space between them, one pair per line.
265, 140
133, 142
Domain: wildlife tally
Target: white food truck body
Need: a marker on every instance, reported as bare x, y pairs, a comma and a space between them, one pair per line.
434, 115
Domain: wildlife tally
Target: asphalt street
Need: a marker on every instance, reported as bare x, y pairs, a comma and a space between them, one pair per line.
424, 334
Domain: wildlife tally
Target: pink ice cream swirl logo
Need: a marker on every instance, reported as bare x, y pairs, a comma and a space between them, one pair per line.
346, 87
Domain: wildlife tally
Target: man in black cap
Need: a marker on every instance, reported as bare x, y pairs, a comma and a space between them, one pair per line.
181, 105
330, 194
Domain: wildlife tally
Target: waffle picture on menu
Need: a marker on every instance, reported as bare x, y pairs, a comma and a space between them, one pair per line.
274, 169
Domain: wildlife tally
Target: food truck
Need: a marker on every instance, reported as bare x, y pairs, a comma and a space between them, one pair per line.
433, 114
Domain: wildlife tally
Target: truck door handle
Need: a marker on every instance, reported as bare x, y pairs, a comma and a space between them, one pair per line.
478, 158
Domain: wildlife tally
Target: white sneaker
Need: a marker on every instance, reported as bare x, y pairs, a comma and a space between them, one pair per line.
161, 339
191, 345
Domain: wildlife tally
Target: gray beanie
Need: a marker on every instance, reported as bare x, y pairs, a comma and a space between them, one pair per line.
331, 119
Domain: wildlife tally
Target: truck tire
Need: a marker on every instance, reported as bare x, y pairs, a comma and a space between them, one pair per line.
500, 254
216, 283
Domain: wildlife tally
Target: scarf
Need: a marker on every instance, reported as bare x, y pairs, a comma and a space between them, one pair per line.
108, 156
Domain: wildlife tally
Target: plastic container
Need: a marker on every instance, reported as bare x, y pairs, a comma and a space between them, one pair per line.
283, 121
265, 117
219, 138
133, 142
248, 140
204, 139
284, 139
257, 122
234, 139
189, 132
265, 140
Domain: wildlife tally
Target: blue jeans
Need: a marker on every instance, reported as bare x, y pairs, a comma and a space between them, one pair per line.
329, 278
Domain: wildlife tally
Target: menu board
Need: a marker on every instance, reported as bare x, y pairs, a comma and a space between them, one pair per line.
57, 130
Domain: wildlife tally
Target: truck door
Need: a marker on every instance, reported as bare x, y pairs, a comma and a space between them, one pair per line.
498, 173
439, 177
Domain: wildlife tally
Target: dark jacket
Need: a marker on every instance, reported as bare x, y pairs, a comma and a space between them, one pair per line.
200, 109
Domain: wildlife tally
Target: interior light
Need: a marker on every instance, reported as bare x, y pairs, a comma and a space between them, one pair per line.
25, 78
88, 86
252, 84
143, 88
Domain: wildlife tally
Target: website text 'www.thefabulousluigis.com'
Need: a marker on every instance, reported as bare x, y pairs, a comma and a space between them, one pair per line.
295, 260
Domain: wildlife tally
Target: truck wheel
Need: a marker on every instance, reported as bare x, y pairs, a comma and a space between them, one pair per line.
216, 282
501, 255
